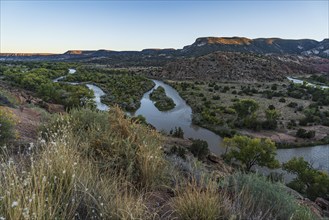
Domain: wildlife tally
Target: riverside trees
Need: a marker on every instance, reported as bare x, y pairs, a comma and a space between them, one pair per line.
308, 181
251, 151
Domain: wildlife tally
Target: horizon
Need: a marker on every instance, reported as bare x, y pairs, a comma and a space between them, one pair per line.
36, 27
98, 49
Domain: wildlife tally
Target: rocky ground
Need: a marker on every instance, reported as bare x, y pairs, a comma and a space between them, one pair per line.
28, 111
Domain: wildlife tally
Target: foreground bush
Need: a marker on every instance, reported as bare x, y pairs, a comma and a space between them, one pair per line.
7, 123
199, 149
238, 196
194, 202
308, 181
257, 198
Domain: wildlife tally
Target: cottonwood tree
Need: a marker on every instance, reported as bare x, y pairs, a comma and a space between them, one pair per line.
308, 181
272, 117
251, 151
246, 113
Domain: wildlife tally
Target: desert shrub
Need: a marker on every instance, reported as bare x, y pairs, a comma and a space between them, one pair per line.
292, 105
291, 124
303, 121
179, 151
257, 198
199, 149
7, 123
216, 97
274, 86
302, 133
225, 89
283, 100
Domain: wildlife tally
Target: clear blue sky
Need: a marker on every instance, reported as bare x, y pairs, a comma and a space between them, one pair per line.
58, 26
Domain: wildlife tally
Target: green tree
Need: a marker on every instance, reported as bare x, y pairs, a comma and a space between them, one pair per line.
251, 151
178, 132
272, 117
245, 107
246, 112
309, 182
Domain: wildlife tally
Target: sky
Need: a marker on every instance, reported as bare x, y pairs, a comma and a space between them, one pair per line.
55, 26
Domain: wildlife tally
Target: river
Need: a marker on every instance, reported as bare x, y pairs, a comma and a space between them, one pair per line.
181, 116
98, 92
298, 81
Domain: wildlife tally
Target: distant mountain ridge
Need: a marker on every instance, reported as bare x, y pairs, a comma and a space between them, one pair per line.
25, 54
202, 46
207, 45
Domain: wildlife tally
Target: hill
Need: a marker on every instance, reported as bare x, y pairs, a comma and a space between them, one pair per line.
237, 66
260, 45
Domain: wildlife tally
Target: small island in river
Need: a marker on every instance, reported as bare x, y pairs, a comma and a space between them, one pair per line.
162, 101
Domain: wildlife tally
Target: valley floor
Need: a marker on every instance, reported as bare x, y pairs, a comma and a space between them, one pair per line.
212, 105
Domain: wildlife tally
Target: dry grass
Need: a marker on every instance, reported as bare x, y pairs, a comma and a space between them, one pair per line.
58, 177
199, 203
41, 186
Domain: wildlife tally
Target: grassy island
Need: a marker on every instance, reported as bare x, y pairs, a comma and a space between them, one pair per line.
162, 101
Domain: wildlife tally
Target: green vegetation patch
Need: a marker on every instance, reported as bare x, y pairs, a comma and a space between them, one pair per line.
38, 78
228, 108
120, 86
162, 101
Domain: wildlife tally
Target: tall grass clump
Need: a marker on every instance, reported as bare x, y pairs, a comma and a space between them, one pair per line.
254, 197
41, 185
196, 202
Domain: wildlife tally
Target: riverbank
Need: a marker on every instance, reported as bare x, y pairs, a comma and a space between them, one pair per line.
282, 140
